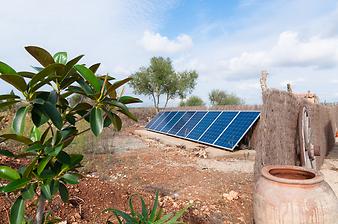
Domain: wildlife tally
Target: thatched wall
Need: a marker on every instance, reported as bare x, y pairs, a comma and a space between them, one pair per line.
275, 137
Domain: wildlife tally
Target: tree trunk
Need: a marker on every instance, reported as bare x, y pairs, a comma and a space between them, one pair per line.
40, 210
166, 101
158, 103
154, 99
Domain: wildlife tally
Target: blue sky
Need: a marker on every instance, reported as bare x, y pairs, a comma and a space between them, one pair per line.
227, 42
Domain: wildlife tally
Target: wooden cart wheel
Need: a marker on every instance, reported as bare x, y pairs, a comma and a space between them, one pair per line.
307, 157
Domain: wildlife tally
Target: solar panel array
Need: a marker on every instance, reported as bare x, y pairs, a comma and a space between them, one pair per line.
223, 129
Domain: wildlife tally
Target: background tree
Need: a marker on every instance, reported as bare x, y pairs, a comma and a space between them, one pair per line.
219, 97
192, 101
54, 122
160, 79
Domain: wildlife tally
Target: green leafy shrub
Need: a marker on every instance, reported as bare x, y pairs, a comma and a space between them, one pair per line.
154, 216
219, 97
192, 101
43, 100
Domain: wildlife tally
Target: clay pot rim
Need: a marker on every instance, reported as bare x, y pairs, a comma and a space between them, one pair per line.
315, 180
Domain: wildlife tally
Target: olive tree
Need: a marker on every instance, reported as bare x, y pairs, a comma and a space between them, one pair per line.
43, 102
160, 79
219, 97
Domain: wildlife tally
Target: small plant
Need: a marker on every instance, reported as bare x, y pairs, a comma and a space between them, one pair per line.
154, 216
44, 102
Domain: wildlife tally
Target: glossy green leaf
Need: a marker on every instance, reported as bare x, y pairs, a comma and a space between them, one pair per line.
75, 159
128, 114
44, 135
6, 69
52, 98
7, 104
70, 178
116, 120
42, 164
17, 211
54, 186
85, 87
26, 74
8, 97
107, 122
41, 55
7, 153
45, 188
53, 151
35, 134
15, 137
8, 173
89, 76
71, 64
38, 116
96, 121
129, 99
29, 168
34, 147
119, 83
111, 91
49, 71
67, 132
15, 185
28, 193
60, 57
95, 67
63, 157
51, 111
15, 80
82, 106
19, 120
63, 192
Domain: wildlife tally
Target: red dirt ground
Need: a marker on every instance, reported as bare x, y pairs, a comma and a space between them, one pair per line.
110, 178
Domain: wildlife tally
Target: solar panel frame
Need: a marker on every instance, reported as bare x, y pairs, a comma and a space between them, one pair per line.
186, 113
215, 121
163, 130
206, 112
165, 121
152, 121
184, 136
202, 120
159, 120
244, 132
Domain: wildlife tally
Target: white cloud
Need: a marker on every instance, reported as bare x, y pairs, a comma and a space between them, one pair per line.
289, 51
155, 42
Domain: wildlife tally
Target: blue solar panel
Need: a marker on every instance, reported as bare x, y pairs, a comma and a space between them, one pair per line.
154, 119
237, 129
191, 124
197, 132
221, 129
217, 127
165, 121
159, 120
185, 118
172, 122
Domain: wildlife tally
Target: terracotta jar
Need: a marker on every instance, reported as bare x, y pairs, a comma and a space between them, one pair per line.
293, 195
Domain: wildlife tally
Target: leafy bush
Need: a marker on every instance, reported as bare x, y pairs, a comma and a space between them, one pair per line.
192, 101
219, 97
43, 100
154, 216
